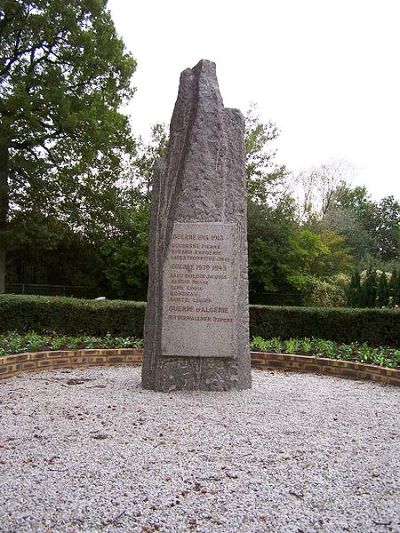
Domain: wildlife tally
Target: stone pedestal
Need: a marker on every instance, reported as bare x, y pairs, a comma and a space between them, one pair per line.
196, 327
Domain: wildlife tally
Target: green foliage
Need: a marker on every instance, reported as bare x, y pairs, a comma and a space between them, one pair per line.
308, 251
319, 254
13, 342
374, 288
370, 229
387, 228
270, 231
64, 74
69, 316
146, 155
31, 341
355, 351
264, 178
125, 254
353, 295
286, 258
48, 251
328, 292
374, 326
382, 292
394, 288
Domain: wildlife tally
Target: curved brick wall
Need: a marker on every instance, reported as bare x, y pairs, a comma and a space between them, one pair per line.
11, 365
332, 367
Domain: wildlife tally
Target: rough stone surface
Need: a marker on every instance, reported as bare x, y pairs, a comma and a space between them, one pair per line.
196, 327
91, 451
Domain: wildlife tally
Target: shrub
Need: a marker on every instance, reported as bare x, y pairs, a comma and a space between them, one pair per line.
329, 292
70, 316
374, 288
374, 326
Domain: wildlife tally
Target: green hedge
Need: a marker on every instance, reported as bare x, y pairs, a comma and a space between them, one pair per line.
69, 316
374, 326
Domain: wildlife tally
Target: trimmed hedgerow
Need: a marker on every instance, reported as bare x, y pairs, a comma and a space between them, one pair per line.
70, 316
374, 326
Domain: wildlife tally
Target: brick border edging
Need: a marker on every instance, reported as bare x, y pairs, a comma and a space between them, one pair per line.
11, 365
331, 367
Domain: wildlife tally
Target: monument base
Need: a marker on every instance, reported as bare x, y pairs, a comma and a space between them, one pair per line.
196, 374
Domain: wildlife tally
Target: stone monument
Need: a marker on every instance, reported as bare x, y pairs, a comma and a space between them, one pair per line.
197, 325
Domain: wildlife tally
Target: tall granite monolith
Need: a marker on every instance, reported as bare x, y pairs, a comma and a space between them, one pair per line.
197, 325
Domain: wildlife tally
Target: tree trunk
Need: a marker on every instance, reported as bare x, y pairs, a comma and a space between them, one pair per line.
4, 193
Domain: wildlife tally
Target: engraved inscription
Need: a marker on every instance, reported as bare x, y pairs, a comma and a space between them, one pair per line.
199, 279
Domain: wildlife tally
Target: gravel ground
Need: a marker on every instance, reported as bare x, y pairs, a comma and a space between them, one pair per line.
89, 450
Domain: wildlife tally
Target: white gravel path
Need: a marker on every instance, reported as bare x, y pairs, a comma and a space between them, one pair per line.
89, 450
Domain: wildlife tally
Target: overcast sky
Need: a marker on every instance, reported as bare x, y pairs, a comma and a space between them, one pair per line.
325, 71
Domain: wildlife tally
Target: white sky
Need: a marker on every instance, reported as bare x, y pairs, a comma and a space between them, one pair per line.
325, 71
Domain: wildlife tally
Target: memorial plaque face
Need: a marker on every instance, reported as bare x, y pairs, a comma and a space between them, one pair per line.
199, 286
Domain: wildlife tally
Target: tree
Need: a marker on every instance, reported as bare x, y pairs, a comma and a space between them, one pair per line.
371, 229
371, 288
382, 292
125, 255
315, 188
270, 233
146, 155
354, 290
308, 256
387, 228
265, 179
63, 75
338, 259
48, 251
394, 288
351, 213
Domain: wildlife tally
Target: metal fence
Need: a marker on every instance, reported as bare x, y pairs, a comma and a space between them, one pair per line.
277, 298
78, 291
